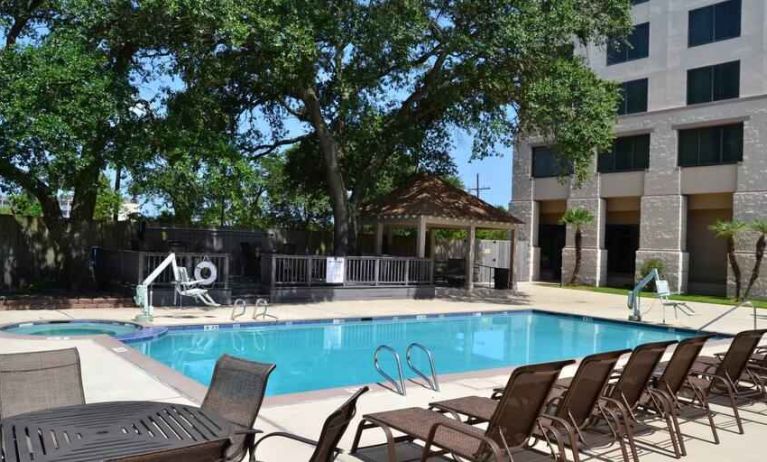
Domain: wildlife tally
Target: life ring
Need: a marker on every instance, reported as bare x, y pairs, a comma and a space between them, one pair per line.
203, 265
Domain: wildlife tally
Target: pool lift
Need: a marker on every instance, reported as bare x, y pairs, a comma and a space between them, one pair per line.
184, 285
663, 293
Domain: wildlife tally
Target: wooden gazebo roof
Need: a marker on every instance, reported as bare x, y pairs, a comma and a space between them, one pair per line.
432, 197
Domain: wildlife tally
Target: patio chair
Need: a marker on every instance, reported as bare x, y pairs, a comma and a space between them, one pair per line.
574, 406
39, 380
727, 376
326, 448
636, 401
508, 432
209, 451
236, 393
669, 382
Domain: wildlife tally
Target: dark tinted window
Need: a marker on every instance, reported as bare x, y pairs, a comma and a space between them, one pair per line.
637, 2
636, 46
716, 22
713, 83
711, 145
628, 153
546, 163
633, 97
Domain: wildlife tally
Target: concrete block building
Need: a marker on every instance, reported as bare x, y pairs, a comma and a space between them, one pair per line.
690, 148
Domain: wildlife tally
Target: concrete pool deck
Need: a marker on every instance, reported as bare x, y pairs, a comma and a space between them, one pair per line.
111, 372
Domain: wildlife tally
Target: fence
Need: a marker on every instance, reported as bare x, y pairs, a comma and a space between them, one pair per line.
296, 271
131, 267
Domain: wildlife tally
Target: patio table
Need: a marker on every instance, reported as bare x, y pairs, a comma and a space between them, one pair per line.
105, 431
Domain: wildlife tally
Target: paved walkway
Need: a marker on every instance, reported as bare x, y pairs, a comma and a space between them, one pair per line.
108, 376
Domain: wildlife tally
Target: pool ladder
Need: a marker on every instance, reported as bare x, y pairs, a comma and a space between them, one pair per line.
398, 384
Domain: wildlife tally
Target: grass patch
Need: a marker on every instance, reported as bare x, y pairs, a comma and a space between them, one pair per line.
681, 297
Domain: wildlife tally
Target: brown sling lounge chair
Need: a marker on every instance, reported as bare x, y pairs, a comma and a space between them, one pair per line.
508, 432
711, 377
326, 449
236, 393
636, 400
668, 383
39, 380
573, 407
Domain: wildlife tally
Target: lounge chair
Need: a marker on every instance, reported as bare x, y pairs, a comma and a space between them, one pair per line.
209, 451
507, 435
725, 377
637, 401
236, 393
39, 380
326, 448
669, 382
573, 407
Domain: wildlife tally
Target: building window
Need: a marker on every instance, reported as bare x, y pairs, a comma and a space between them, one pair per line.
633, 97
713, 83
711, 145
637, 2
713, 23
636, 46
547, 163
628, 153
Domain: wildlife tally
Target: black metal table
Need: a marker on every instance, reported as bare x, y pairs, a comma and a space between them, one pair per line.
105, 431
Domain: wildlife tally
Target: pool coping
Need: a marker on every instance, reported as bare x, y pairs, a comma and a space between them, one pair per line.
195, 391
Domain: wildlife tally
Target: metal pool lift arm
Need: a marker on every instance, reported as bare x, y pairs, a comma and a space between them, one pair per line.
635, 295
143, 297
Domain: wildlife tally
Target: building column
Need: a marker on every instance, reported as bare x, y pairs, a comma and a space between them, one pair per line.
526, 236
379, 238
470, 258
390, 239
421, 238
663, 236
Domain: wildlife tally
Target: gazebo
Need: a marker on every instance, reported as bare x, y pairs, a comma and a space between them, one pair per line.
428, 202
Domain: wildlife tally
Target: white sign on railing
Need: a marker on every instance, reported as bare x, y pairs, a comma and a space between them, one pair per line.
335, 270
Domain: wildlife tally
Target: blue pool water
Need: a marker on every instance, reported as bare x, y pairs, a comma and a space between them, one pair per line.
73, 328
326, 355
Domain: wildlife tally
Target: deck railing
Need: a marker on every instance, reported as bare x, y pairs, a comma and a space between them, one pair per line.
131, 267
306, 271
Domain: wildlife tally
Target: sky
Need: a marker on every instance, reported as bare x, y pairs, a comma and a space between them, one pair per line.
494, 172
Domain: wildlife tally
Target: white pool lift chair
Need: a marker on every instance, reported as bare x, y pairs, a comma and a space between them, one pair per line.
663, 293
186, 287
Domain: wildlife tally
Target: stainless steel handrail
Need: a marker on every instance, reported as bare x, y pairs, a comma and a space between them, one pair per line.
399, 385
734, 308
432, 382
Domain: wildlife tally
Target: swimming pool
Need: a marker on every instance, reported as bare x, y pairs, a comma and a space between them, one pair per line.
74, 328
339, 353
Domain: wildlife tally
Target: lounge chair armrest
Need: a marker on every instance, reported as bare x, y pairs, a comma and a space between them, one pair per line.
461, 428
546, 429
285, 435
552, 421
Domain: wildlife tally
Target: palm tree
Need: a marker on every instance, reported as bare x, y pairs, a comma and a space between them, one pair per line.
728, 230
577, 217
760, 226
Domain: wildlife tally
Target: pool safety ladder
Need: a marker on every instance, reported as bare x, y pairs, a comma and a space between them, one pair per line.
240, 306
398, 384
430, 381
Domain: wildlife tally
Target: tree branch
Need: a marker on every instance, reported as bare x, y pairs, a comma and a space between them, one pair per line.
266, 149
20, 22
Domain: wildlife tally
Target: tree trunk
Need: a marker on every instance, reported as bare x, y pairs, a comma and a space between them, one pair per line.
577, 269
734, 265
331, 153
760, 245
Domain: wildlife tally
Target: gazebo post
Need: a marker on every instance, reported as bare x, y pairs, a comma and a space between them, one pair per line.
421, 248
379, 238
470, 258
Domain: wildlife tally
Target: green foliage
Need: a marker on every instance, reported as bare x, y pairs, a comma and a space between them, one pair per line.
577, 217
727, 229
108, 201
759, 226
651, 264
24, 205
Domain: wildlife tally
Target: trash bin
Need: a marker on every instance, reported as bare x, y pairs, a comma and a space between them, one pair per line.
501, 277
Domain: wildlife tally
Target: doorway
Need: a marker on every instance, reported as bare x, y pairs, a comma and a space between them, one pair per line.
551, 240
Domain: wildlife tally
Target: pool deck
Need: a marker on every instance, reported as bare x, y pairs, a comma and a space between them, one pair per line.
112, 372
